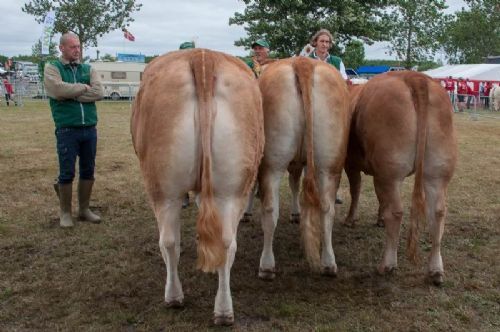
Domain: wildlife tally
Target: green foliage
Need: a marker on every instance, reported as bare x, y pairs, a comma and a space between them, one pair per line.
421, 66
3, 59
354, 54
415, 26
382, 62
426, 65
108, 57
474, 33
88, 19
30, 58
149, 58
36, 51
288, 25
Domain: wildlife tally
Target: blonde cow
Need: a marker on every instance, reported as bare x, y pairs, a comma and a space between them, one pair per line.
197, 125
306, 120
402, 125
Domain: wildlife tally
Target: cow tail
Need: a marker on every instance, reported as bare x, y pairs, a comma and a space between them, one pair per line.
420, 94
310, 223
211, 249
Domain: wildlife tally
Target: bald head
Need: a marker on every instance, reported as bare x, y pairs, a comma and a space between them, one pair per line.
69, 45
67, 36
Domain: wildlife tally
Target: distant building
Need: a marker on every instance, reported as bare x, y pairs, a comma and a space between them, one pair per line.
141, 58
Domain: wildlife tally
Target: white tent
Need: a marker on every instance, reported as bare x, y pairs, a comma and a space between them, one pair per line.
478, 72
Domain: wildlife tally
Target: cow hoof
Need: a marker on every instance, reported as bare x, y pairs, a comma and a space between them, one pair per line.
176, 304
386, 270
329, 271
247, 217
436, 278
223, 320
267, 274
295, 218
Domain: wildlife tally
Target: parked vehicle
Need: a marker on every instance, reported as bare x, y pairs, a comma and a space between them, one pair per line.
119, 79
354, 77
27, 70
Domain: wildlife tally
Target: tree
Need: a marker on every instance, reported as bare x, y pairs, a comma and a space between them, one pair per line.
415, 27
288, 25
3, 59
88, 19
473, 34
354, 54
150, 58
108, 57
36, 50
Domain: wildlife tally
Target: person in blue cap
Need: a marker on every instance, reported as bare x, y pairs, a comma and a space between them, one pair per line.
260, 57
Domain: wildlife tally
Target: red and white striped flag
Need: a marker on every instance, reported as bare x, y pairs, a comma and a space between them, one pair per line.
128, 35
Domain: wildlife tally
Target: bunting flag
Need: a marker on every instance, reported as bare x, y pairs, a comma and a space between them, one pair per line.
48, 28
128, 35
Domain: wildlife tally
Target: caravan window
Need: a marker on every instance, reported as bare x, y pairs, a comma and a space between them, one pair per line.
118, 75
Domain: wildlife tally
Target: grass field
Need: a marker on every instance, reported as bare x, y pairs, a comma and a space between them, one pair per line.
111, 277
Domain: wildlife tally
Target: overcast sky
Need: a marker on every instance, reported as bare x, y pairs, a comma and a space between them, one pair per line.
159, 27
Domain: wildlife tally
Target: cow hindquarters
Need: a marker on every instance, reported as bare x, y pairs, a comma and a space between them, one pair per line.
167, 215
389, 196
435, 194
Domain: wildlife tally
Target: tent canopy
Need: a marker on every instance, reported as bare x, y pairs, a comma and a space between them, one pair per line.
478, 72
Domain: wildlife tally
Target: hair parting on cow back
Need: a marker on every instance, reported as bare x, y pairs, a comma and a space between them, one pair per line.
311, 205
417, 84
211, 249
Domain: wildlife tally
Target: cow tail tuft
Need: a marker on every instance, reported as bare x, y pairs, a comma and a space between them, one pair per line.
310, 222
420, 94
211, 249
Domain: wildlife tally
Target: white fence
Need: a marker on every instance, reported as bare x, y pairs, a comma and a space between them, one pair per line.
25, 90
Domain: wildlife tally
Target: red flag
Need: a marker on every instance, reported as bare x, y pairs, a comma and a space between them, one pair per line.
128, 35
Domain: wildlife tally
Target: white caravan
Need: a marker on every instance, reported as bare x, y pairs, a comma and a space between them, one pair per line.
119, 79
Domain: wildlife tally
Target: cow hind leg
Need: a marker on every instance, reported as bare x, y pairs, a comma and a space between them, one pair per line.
354, 188
295, 171
389, 196
380, 212
435, 192
328, 193
230, 210
167, 215
269, 190
247, 216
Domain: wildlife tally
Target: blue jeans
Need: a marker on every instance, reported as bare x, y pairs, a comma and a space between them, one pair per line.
73, 142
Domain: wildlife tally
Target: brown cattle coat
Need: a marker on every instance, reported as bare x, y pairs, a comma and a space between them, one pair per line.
197, 125
403, 124
306, 122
